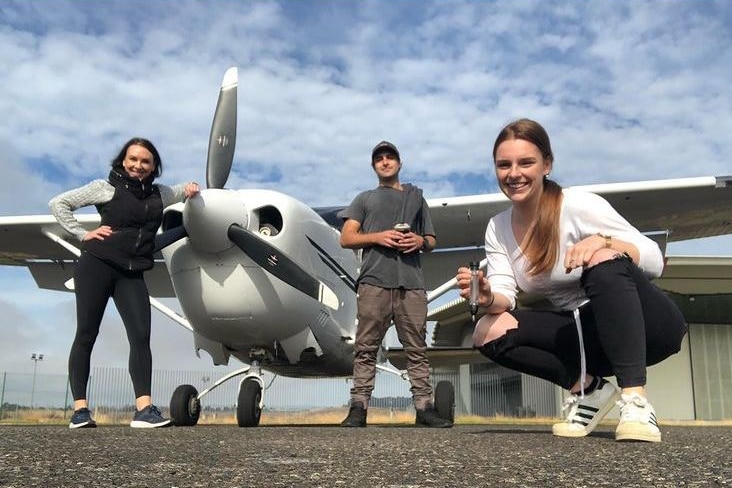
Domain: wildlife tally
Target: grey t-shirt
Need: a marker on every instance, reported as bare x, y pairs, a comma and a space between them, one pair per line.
378, 210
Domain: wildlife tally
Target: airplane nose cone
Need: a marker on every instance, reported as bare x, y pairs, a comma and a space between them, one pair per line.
208, 216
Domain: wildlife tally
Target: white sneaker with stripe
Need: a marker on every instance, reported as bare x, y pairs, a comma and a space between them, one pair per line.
637, 420
583, 414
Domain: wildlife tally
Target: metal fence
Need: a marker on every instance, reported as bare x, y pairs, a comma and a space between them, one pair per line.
110, 394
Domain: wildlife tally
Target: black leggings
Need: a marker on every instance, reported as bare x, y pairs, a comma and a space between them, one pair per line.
628, 324
95, 281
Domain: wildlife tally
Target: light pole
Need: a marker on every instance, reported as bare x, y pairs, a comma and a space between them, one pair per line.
35, 358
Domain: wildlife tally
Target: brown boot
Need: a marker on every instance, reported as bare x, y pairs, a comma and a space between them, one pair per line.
356, 416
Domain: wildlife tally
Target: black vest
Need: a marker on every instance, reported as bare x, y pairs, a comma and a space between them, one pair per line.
134, 214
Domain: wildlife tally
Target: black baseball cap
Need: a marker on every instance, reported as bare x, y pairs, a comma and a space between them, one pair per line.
382, 147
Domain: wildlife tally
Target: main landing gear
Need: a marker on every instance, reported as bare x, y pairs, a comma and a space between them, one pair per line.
445, 400
185, 404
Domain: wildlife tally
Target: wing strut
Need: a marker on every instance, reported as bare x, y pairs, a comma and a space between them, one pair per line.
165, 310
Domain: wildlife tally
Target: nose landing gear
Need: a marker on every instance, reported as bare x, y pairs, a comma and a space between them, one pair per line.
185, 404
249, 406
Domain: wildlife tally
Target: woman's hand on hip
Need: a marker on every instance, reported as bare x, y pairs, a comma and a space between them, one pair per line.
99, 233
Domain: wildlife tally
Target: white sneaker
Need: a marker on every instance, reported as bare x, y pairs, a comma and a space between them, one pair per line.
585, 413
637, 420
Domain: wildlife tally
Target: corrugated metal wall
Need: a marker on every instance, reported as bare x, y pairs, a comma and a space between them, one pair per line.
711, 359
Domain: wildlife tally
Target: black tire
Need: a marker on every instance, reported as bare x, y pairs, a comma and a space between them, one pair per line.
247, 408
445, 400
185, 408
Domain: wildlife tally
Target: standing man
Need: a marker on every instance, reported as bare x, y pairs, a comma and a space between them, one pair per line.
392, 224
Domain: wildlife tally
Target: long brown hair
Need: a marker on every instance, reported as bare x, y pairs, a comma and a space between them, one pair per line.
542, 240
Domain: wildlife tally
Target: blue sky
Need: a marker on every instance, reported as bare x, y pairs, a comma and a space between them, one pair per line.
628, 91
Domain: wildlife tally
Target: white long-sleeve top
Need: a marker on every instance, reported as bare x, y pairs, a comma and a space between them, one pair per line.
582, 215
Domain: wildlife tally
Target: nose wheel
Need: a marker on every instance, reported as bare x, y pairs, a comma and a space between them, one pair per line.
249, 406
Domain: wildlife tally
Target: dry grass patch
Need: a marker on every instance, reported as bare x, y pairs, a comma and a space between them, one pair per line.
33, 417
334, 416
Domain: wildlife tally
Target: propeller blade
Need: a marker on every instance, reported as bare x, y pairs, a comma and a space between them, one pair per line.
282, 266
222, 140
164, 239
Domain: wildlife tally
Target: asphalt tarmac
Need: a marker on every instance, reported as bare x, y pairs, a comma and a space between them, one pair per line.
377, 456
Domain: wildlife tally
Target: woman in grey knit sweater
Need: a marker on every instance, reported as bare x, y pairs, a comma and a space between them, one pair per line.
113, 259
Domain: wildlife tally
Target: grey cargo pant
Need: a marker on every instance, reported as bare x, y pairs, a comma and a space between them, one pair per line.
377, 307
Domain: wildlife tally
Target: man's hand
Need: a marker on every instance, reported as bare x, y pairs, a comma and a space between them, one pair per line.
410, 242
389, 238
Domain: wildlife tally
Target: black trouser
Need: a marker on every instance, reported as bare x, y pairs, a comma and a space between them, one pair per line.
628, 324
94, 282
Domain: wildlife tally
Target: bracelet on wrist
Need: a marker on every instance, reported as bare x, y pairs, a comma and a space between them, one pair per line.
493, 299
608, 240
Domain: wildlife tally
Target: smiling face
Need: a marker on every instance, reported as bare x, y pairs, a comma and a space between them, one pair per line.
520, 171
387, 166
138, 162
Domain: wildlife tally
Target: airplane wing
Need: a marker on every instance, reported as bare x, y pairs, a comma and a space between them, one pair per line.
25, 243
685, 208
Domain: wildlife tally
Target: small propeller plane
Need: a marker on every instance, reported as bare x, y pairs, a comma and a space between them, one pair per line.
261, 276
